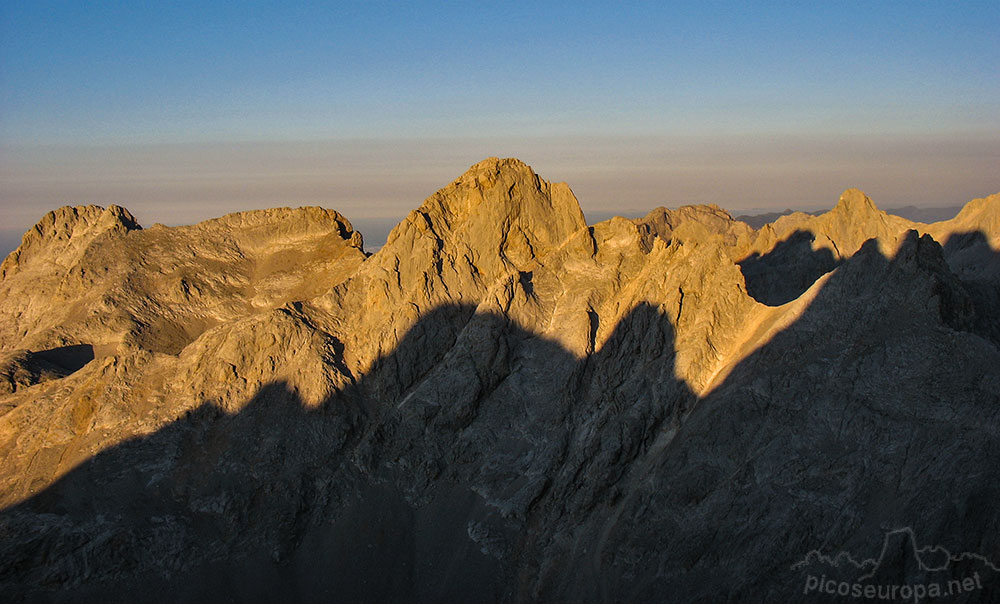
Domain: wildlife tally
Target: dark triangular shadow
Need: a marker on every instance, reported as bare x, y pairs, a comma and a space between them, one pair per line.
784, 273
68, 358
977, 265
24, 368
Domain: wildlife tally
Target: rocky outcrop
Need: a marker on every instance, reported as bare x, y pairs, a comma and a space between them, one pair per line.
854, 220
62, 236
70, 283
502, 404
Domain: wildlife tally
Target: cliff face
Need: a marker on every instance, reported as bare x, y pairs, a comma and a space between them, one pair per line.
502, 404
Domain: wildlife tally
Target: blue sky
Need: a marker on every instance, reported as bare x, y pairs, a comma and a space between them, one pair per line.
74, 72
497, 78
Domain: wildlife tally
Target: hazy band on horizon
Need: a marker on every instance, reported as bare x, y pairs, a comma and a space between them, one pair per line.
382, 180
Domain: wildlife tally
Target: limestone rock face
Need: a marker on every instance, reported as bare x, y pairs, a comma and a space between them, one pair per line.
61, 237
68, 283
503, 404
697, 223
854, 220
492, 225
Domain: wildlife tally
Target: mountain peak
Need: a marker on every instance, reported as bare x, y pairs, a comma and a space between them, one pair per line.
485, 174
497, 163
499, 194
854, 201
62, 234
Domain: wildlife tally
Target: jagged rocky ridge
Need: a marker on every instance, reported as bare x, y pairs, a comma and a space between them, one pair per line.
502, 404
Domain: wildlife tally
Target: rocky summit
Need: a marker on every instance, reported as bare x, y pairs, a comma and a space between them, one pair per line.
503, 404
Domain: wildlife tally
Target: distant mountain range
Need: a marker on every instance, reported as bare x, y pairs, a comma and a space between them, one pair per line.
926, 215
502, 404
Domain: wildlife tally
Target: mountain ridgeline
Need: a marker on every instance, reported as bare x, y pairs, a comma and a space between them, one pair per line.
503, 404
